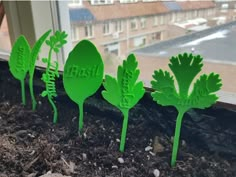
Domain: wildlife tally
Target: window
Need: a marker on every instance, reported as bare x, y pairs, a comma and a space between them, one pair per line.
139, 41
100, 2
118, 26
156, 36
74, 33
128, 1
143, 22
133, 24
106, 28
162, 20
155, 21
75, 3
89, 31
33, 18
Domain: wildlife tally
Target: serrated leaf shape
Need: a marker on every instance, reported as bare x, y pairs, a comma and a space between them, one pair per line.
165, 91
185, 68
36, 49
111, 87
19, 58
57, 40
203, 95
124, 92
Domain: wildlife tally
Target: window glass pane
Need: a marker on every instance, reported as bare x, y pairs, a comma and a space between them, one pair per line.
143, 27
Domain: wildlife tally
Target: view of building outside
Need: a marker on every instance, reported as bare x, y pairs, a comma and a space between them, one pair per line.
155, 30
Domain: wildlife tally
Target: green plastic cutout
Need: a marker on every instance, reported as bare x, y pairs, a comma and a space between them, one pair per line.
55, 43
185, 68
19, 62
124, 92
33, 57
83, 74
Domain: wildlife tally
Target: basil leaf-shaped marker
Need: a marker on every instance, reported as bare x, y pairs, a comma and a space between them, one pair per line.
19, 62
185, 68
83, 74
33, 57
124, 92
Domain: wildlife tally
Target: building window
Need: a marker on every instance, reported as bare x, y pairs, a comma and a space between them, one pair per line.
162, 20
98, 2
155, 21
75, 3
133, 24
118, 26
139, 41
74, 33
128, 1
143, 22
106, 28
156, 36
89, 30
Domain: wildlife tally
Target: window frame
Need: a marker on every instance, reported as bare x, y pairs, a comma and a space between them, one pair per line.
23, 19
118, 26
90, 31
143, 23
106, 28
26, 22
135, 21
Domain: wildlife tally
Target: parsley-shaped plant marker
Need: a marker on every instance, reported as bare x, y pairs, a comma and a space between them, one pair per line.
124, 92
33, 57
83, 74
185, 68
19, 62
55, 43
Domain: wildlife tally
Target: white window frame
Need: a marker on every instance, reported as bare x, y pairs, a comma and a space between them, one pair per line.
161, 20
90, 29
75, 3
155, 20
118, 26
101, 2
75, 33
135, 21
23, 19
106, 28
143, 23
128, 1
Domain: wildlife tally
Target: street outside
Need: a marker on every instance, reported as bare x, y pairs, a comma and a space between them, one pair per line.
216, 47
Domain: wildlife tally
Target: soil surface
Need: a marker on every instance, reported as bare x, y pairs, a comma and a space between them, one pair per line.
31, 145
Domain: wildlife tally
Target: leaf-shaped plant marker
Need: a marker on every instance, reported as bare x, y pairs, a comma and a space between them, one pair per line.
55, 43
19, 62
33, 57
185, 68
83, 74
124, 92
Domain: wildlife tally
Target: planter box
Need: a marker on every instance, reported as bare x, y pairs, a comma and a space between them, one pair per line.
30, 145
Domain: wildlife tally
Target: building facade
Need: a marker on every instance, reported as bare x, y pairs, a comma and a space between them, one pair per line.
118, 27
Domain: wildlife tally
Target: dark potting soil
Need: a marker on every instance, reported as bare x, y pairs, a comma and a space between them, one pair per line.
31, 145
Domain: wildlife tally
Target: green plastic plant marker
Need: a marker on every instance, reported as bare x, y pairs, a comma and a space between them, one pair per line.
124, 92
83, 74
19, 62
185, 68
55, 43
33, 57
